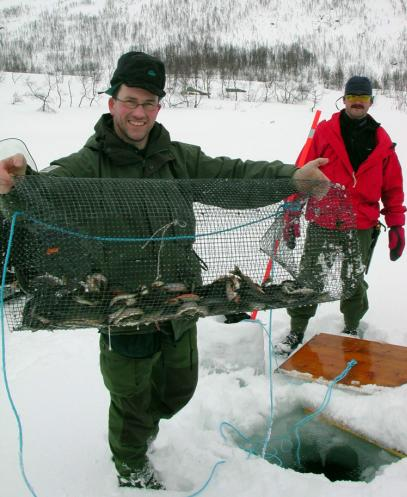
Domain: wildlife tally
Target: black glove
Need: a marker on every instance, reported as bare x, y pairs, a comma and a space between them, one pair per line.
236, 318
396, 242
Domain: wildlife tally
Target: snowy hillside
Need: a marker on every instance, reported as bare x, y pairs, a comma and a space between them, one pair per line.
360, 36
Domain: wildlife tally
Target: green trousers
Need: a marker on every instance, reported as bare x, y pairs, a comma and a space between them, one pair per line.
144, 390
353, 307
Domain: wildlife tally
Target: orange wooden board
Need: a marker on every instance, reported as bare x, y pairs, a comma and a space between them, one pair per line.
325, 356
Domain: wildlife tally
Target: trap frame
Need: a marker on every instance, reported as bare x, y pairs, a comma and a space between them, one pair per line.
129, 253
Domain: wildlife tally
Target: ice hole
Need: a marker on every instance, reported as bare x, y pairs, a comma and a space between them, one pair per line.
323, 449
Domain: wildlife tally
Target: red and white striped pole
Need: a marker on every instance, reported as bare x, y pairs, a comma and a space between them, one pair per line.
300, 163
305, 150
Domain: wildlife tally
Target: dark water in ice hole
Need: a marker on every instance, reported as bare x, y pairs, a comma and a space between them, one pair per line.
324, 449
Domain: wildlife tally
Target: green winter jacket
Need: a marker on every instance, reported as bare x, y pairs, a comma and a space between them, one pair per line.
105, 155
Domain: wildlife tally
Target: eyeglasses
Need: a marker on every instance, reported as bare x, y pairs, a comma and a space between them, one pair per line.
133, 104
358, 98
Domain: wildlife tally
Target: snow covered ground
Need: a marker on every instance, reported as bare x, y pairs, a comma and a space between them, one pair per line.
55, 380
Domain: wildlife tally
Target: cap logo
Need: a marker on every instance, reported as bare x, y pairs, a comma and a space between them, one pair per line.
152, 73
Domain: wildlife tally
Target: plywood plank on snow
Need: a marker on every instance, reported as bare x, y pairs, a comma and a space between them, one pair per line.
325, 356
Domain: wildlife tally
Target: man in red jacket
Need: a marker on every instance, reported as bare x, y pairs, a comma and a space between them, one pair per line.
362, 158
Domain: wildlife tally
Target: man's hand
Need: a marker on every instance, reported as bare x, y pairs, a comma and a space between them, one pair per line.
309, 179
396, 242
15, 165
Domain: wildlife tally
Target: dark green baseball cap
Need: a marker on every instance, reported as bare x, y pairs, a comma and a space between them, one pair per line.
140, 70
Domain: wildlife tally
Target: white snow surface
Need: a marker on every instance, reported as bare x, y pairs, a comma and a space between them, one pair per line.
58, 390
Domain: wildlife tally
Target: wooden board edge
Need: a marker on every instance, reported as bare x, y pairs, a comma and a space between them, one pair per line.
342, 426
308, 377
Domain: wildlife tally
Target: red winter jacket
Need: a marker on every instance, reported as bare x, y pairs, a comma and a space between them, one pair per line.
378, 178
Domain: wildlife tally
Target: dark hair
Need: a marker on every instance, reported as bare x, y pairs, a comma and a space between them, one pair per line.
116, 90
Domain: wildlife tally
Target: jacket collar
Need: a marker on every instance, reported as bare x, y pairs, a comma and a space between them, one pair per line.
358, 124
106, 141
381, 150
336, 141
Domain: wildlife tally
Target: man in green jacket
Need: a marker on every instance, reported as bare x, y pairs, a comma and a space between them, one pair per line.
150, 373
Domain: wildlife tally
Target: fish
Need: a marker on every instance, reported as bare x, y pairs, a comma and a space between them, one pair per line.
81, 299
292, 288
47, 279
184, 297
191, 309
143, 290
79, 322
127, 299
175, 287
120, 317
153, 318
232, 285
94, 283
220, 291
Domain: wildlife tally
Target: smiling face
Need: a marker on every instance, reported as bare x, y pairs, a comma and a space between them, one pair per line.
356, 106
134, 112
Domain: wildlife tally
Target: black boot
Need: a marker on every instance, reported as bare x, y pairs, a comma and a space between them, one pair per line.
236, 317
141, 478
351, 328
350, 331
291, 342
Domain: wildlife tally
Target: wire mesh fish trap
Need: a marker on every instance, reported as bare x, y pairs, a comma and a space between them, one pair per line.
125, 253
315, 241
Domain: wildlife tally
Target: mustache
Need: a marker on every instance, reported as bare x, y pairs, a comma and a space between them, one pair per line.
357, 106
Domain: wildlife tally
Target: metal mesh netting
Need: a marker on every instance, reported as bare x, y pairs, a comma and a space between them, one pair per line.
123, 253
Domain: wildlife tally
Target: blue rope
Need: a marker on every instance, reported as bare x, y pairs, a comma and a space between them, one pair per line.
270, 373
224, 424
65, 231
251, 446
205, 485
281, 208
318, 411
3, 357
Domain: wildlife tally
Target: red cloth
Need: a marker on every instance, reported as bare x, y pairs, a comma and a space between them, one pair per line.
378, 178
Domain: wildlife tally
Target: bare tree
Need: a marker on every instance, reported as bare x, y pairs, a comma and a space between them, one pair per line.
44, 95
268, 90
15, 77
95, 79
85, 83
400, 100
289, 91
315, 94
186, 96
172, 91
207, 75
70, 93
59, 79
